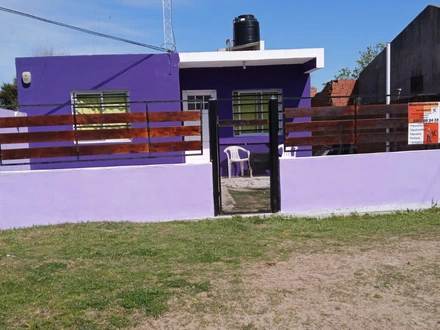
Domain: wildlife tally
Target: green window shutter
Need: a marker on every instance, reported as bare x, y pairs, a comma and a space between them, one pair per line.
236, 110
250, 106
115, 103
88, 104
249, 110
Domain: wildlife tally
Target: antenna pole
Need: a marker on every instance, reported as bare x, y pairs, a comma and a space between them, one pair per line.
169, 41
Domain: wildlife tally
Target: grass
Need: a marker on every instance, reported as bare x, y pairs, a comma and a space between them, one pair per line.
113, 275
250, 200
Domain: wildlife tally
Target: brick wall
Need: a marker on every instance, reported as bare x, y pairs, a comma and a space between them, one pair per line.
321, 99
333, 93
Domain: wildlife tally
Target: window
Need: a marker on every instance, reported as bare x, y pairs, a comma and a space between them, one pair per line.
198, 102
250, 105
86, 103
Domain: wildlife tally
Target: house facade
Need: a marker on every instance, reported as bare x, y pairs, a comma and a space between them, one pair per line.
242, 81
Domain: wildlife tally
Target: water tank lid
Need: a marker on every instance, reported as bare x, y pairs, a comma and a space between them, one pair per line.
244, 17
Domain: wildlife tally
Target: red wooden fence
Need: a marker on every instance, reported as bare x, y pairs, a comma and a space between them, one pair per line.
363, 126
67, 129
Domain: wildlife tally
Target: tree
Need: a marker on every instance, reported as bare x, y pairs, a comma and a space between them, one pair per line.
366, 57
9, 95
48, 51
344, 73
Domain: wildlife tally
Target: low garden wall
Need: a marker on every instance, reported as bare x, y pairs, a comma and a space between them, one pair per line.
148, 193
360, 183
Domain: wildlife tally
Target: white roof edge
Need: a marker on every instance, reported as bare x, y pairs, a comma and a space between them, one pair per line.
252, 57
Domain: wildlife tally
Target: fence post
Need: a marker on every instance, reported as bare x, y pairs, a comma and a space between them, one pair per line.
357, 103
75, 125
275, 203
388, 88
214, 153
147, 116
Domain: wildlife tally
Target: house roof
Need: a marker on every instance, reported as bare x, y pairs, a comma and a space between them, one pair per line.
313, 58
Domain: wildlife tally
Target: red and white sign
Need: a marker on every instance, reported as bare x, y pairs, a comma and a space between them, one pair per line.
423, 122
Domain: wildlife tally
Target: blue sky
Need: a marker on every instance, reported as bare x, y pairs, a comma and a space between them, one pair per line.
341, 27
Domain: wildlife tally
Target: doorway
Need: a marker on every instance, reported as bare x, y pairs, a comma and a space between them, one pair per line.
199, 100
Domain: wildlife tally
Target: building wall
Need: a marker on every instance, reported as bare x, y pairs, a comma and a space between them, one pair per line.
291, 79
355, 183
124, 193
415, 51
146, 77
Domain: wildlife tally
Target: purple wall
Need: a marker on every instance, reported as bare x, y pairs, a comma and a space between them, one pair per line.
387, 181
146, 78
291, 79
133, 193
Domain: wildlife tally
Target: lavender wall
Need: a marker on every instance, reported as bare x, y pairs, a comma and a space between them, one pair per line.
369, 182
4, 164
126, 193
146, 78
291, 79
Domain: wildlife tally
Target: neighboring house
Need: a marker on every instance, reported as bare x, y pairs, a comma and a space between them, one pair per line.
123, 80
415, 58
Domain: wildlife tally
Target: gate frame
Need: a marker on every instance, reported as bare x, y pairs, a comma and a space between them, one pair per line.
274, 166
214, 153
275, 198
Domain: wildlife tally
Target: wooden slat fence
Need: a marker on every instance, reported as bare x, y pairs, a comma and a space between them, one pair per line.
360, 127
58, 136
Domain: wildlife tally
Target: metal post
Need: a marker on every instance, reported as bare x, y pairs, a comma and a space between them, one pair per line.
357, 103
388, 84
214, 153
75, 125
147, 115
275, 203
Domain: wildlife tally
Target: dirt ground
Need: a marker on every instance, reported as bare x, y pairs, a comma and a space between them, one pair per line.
245, 195
394, 284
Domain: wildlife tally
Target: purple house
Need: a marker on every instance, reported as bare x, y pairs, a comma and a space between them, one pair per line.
60, 84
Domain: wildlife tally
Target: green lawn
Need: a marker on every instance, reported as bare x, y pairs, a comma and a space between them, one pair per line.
115, 275
250, 200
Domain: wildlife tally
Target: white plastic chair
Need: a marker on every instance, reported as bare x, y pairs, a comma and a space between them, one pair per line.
233, 155
288, 152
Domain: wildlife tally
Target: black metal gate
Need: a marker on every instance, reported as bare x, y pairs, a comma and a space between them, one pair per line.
252, 193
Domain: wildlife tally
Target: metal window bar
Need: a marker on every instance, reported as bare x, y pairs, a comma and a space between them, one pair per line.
258, 115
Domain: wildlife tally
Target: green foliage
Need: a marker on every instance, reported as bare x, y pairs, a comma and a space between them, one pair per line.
366, 57
9, 95
345, 73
